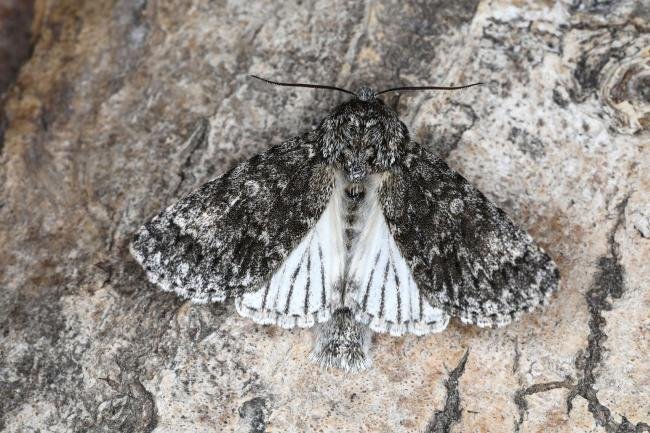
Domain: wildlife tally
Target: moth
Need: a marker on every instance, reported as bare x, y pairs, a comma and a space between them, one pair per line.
351, 228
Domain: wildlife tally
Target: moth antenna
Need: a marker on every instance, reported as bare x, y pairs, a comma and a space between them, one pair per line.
429, 88
313, 86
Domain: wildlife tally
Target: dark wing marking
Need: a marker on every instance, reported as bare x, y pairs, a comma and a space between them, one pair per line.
466, 254
228, 236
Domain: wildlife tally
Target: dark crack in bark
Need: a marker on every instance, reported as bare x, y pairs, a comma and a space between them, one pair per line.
516, 358
522, 403
444, 419
609, 281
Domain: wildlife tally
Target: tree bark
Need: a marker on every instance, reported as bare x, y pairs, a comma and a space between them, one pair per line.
124, 106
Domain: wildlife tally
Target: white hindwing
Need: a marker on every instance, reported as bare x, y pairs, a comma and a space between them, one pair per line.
299, 293
385, 294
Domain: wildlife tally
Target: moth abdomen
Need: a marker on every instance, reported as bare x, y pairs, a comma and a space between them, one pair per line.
354, 193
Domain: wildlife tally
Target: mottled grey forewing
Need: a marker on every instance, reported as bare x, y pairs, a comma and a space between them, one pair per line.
466, 254
228, 236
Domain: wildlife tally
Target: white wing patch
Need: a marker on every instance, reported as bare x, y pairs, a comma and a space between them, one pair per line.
386, 296
299, 293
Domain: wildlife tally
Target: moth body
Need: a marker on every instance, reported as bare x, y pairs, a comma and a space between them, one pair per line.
352, 228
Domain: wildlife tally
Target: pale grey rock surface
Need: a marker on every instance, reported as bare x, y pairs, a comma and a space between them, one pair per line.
124, 106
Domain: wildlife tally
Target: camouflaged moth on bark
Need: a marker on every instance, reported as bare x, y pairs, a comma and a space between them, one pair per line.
351, 228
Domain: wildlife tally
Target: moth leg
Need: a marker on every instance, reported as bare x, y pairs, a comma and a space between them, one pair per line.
342, 342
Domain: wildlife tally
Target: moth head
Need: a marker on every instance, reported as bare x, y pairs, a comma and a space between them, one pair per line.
362, 136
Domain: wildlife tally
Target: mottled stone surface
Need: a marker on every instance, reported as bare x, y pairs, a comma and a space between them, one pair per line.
126, 105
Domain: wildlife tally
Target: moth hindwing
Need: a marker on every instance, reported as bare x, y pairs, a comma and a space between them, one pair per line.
352, 227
